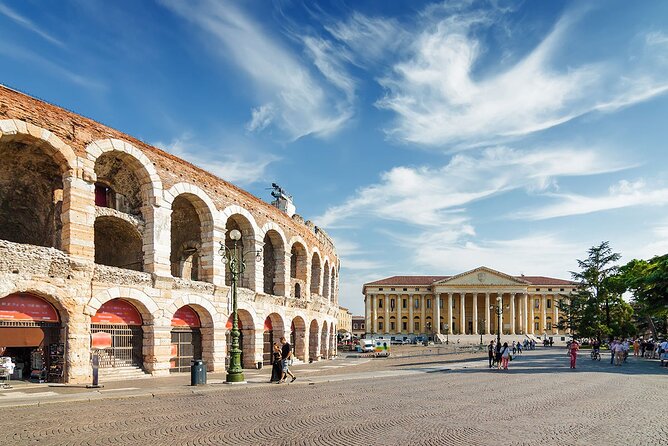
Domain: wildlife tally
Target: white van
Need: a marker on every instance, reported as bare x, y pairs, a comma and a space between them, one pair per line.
367, 346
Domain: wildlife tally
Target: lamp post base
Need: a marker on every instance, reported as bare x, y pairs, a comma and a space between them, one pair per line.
235, 378
235, 382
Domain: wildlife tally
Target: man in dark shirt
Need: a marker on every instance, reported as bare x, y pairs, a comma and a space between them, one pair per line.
286, 354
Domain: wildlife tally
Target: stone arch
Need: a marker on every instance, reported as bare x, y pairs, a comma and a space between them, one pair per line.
298, 265
118, 243
249, 232
188, 204
274, 330
298, 337
35, 186
229, 211
145, 304
316, 273
247, 326
326, 280
273, 258
209, 318
314, 341
324, 340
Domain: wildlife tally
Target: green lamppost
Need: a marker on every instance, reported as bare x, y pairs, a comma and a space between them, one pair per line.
235, 258
498, 308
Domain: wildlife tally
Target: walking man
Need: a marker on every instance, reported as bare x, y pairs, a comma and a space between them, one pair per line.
286, 354
490, 353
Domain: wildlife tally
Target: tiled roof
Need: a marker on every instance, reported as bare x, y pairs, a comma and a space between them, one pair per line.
428, 280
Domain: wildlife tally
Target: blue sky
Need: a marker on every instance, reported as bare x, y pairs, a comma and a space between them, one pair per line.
425, 137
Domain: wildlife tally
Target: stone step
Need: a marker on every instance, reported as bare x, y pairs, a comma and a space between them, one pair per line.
122, 373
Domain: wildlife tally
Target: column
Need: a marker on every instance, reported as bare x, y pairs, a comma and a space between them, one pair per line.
512, 313
400, 299
423, 316
525, 314
555, 316
367, 320
520, 320
532, 314
543, 310
487, 317
474, 302
374, 307
411, 324
437, 312
499, 319
449, 313
462, 313
387, 313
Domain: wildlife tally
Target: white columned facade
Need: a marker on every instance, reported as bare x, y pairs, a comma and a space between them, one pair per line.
543, 310
411, 304
487, 312
462, 313
474, 302
400, 300
367, 319
423, 316
437, 312
512, 313
532, 314
374, 307
500, 318
555, 317
449, 313
525, 315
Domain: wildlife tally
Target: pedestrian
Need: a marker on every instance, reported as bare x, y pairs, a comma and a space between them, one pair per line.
286, 355
514, 347
519, 348
498, 355
618, 353
636, 347
613, 345
625, 348
573, 352
664, 353
505, 356
490, 353
643, 346
551, 342
276, 364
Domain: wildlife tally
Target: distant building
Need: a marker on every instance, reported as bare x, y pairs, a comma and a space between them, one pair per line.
464, 305
344, 320
359, 325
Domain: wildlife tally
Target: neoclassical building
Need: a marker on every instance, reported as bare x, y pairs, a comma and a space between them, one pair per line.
464, 304
102, 233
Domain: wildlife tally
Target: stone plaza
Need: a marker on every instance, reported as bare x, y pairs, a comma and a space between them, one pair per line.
438, 398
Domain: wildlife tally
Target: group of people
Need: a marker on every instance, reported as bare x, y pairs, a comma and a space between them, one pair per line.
500, 355
280, 358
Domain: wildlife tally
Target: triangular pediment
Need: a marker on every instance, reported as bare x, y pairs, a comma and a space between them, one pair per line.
482, 276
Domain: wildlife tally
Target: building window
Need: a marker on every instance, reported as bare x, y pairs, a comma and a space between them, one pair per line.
416, 326
392, 326
440, 303
428, 303
380, 289
549, 303
417, 303
380, 303
404, 326
536, 303
549, 325
404, 303
537, 289
362, 326
549, 289
392, 304
536, 326
454, 302
380, 325
391, 289
561, 289
417, 289
406, 289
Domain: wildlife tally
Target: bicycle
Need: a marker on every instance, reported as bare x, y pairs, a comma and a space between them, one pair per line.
595, 355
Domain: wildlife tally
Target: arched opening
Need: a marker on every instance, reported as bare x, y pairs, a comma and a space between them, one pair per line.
118, 186
325, 282
313, 338
273, 257
123, 321
31, 335
118, 243
186, 339
298, 338
246, 243
324, 341
186, 235
298, 259
316, 274
332, 341
274, 329
31, 195
246, 339
332, 286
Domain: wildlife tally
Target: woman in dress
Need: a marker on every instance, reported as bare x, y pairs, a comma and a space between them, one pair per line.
505, 356
276, 368
573, 352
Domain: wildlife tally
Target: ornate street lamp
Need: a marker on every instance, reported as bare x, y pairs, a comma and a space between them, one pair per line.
235, 258
498, 308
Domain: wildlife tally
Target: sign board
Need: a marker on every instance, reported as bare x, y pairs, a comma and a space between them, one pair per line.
26, 307
118, 312
382, 347
186, 317
100, 340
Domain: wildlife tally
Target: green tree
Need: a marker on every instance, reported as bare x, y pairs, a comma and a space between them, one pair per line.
596, 309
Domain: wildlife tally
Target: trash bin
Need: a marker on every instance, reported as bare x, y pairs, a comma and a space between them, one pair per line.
197, 372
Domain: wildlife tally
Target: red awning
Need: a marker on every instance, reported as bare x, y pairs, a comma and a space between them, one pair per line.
186, 317
26, 307
267, 325
117, 312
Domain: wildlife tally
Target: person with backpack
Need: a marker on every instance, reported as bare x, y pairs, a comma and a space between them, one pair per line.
505, 356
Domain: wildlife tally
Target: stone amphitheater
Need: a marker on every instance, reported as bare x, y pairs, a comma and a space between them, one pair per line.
100, 232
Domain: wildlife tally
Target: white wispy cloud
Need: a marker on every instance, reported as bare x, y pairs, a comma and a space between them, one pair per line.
29, 25
261, 117
623, 194
428, 196
439, 98
234, 168
304, 103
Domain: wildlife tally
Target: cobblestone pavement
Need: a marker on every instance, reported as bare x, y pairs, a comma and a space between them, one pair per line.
422, 400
